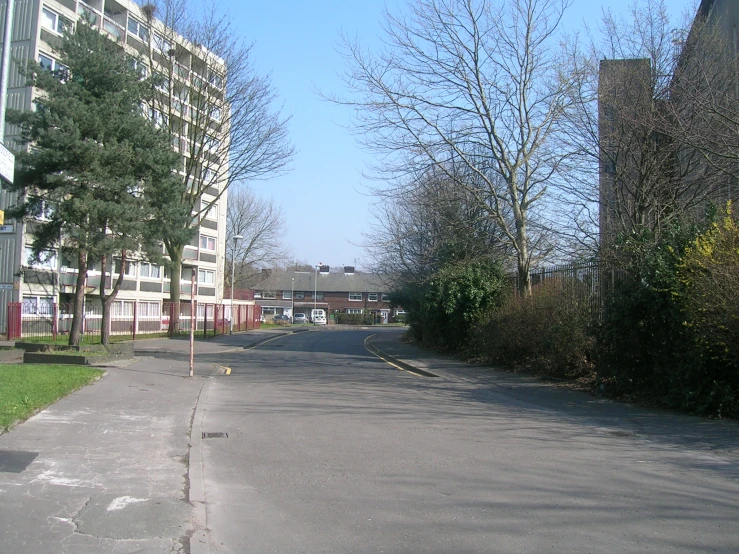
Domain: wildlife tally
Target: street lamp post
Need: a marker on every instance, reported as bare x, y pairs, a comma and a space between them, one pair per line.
292, 299
236, 239
315, 293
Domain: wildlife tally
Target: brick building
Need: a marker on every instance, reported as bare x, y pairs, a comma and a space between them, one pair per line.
346, 292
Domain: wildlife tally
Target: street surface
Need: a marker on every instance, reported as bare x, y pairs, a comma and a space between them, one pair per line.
314, 445
330, 449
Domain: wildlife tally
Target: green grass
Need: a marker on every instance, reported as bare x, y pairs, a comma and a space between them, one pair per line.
27, 388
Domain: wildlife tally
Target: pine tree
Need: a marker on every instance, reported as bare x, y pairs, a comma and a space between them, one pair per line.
96, 159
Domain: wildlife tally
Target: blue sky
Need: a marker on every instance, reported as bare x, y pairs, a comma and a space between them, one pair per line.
323, 200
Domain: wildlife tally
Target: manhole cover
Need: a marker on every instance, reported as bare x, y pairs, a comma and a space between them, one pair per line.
215, 435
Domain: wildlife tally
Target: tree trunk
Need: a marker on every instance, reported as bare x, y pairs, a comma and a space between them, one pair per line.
79, 299
175, 290
106, 301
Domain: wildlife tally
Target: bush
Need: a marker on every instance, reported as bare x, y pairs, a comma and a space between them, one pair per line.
549, 333
442, 311
669, 332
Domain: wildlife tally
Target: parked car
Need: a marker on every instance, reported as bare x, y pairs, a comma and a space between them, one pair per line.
281, 319
319, 319
300, 318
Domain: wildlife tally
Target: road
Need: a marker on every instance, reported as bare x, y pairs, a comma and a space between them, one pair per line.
330, 449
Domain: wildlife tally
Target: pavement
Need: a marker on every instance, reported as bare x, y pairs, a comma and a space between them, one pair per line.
107, 469
116, 467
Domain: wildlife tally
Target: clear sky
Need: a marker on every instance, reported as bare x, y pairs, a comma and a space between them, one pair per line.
323, 200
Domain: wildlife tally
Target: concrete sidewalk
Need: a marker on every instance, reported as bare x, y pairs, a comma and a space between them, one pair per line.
106, 469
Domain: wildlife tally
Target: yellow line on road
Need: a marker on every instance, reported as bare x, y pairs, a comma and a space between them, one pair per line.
372, 350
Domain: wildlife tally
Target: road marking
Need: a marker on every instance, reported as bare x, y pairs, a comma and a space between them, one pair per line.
373, 350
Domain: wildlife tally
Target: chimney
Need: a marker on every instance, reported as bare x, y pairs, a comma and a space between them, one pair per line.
266, 273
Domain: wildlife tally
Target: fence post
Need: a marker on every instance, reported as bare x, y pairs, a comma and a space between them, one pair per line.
55, 321
205, 321
136, 318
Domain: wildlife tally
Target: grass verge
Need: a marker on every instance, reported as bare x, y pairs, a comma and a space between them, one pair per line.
28, 388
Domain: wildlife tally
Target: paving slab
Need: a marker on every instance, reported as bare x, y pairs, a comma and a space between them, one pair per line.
104, 469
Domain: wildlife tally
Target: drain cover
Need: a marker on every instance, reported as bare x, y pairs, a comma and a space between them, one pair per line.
215, 435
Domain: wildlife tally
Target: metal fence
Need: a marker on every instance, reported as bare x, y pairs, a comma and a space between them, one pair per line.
585, 284
35, 320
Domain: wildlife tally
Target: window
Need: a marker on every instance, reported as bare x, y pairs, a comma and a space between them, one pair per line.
269, 295
399, 312
53, 21
161, 82
87, 13
355, 296
150, 271
257, 294
212, 212
372, 297
299, 295
385, 297
44, 211
38, 305
121, 308
138, 29
130, 268
46, 259
354, 310
50, 64
210, 143
149, 309
160, 120
207, 243
287, 295
140, 67
319, 296
206, 277
215, 79
162, 44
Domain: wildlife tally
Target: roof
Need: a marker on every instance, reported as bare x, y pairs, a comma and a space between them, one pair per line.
327, 282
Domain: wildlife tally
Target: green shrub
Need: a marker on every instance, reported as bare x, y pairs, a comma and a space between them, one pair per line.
442, 311
548, 333
669, 332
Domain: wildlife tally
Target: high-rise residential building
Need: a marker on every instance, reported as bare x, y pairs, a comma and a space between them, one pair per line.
190, 74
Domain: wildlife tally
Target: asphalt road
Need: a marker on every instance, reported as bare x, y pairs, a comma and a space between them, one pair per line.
330, 449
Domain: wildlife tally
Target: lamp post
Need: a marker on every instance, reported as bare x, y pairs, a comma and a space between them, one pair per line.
236, 239
292, 299
315, 293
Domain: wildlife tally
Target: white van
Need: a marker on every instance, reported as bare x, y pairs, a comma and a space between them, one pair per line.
318, 316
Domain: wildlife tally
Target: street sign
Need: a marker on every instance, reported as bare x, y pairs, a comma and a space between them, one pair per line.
7, 164
6, 228
6, 286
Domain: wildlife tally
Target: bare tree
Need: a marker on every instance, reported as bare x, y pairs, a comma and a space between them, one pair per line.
420, 228
634, 168
219, 111
258, 221
475, 82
